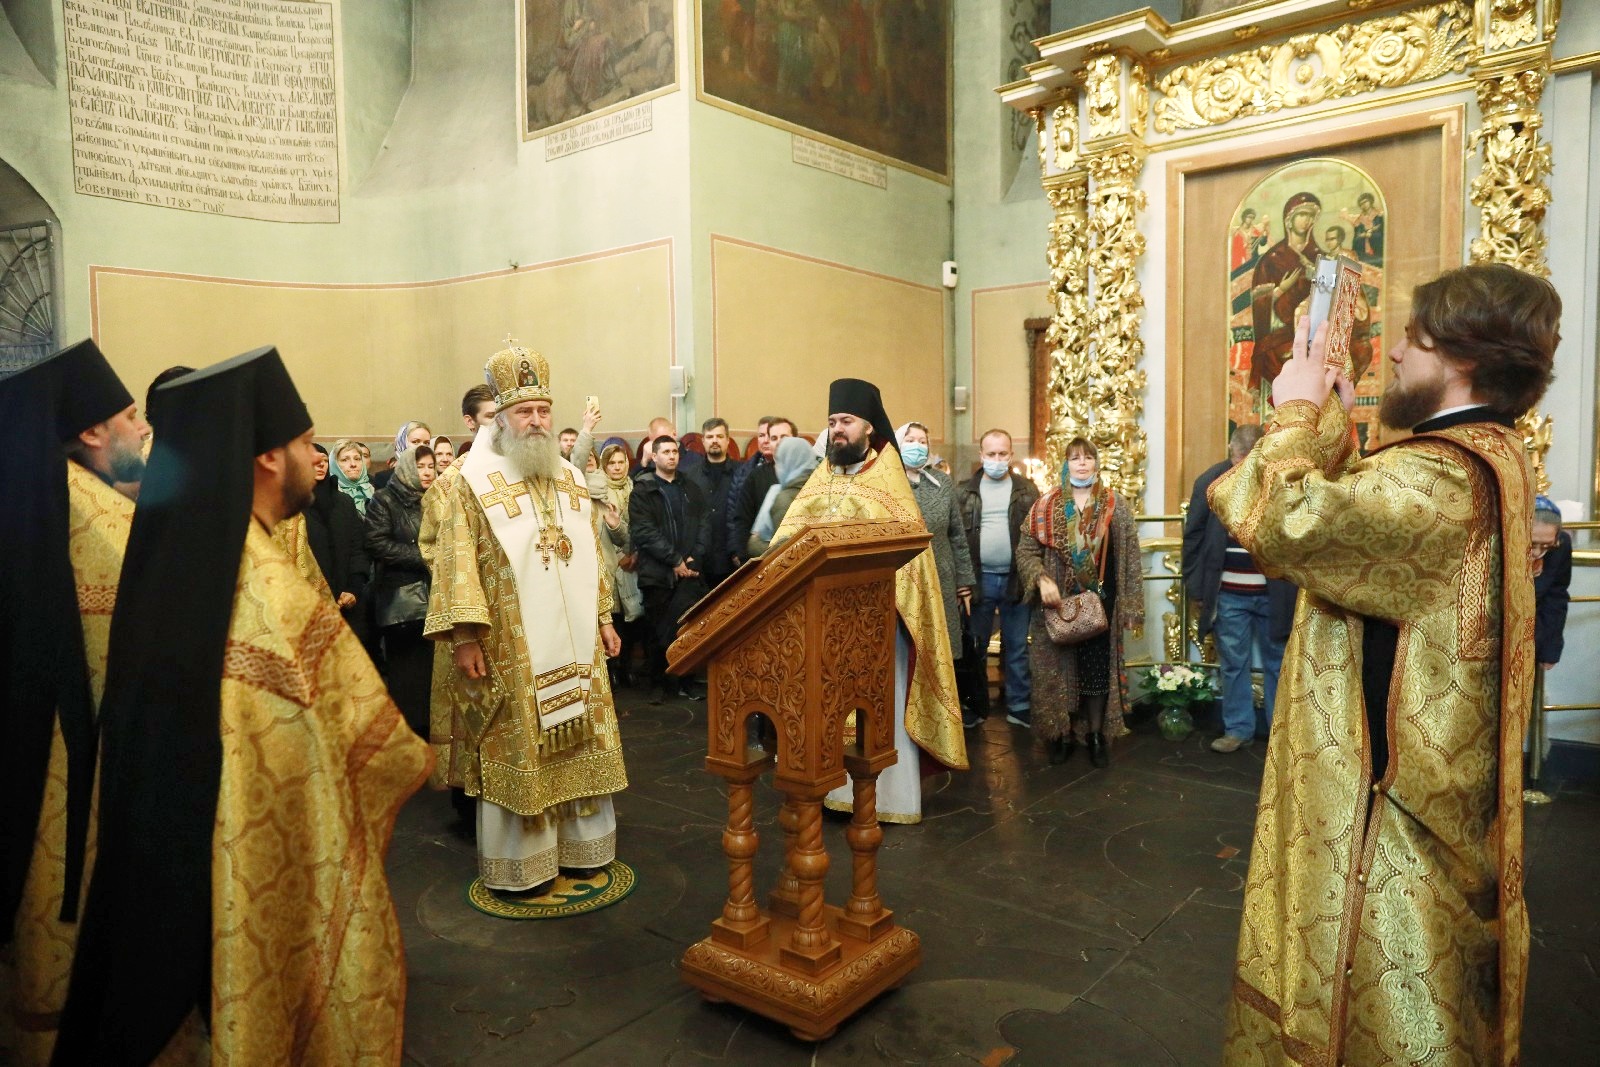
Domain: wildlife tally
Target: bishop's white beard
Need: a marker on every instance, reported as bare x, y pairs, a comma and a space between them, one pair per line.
534, 455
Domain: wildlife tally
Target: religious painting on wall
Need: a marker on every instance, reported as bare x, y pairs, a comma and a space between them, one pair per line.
1297, 213
581, 58
872, 75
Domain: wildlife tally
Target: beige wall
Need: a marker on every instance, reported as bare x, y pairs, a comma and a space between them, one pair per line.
786, 325
369, 357
1001, 362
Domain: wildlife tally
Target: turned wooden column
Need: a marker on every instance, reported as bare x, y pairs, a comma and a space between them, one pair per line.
741, 924
802, 640
785, 899
865, 917
811, 948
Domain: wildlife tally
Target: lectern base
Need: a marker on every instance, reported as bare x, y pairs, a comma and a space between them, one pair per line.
811, 1006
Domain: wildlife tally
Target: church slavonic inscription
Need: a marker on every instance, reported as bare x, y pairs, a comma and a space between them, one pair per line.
228, 107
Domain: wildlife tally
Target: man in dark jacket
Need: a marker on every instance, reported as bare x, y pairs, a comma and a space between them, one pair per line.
750, 485
715, 477
667, 520
1242, 606
994, 507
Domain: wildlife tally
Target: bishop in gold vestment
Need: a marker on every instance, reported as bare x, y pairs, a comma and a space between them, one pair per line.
875, 489
518, 580
1384, 920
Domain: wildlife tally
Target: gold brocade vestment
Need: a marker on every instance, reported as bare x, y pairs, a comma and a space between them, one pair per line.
1384, 920
879, 492
448, 699
296, 544
495, 753
306, 961
36, 977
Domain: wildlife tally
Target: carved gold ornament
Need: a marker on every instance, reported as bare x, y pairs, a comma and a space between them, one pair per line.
1067, 390
1510, 191
1103, 77
1394, 50
1064, 125
1537, 431
1138, 99
1508, 23
1116, 382
1512, 198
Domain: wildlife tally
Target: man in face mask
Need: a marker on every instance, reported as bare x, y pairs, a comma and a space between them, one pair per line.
994, 504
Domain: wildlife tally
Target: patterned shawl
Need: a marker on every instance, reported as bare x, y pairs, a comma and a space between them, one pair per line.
1079, 536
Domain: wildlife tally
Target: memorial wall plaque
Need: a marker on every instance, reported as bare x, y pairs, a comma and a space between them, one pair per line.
230, 107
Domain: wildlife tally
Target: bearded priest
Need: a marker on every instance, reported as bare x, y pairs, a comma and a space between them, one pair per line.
74, 428
520, 594
864, 481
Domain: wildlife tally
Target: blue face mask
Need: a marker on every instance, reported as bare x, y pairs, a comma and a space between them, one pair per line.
996, 468
914, 455
1082, 483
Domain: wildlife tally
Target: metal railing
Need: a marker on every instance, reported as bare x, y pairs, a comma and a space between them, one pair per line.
1171, 549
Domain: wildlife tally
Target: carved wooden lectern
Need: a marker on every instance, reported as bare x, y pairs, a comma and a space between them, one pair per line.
805, 638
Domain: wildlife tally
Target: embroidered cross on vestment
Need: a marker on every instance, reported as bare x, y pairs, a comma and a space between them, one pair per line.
505, 494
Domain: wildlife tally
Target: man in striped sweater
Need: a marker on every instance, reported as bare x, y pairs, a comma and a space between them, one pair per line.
1235, 600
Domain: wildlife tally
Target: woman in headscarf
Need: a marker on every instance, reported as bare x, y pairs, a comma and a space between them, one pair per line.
611, 488
936, 497
350, 473
1076, 533
793, 461
444, 454
400, 591
336, 532
412, 435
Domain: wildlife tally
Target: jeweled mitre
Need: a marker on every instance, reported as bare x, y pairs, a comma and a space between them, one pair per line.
517, 374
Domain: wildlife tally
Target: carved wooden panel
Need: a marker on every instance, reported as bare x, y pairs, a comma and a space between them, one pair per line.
766, 673
854, 674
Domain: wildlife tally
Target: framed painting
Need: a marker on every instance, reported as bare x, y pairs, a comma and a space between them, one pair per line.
580, 58
1244, 223
1297, 214
872, 76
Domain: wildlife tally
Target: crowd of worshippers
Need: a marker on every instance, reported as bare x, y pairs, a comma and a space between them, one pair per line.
682, 513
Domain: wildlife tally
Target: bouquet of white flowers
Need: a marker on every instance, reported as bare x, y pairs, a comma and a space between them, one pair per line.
1176, 685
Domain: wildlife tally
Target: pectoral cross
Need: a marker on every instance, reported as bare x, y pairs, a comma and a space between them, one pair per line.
505, 494
566, 485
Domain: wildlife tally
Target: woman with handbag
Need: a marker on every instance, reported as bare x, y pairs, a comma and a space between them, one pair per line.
400, 587
1078, 560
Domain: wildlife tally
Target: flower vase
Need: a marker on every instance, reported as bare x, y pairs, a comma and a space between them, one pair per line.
1175, 722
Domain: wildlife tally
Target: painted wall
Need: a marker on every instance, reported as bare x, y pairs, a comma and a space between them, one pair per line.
438, 186
852, 315
440, 191
1070, 14
1001, 222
